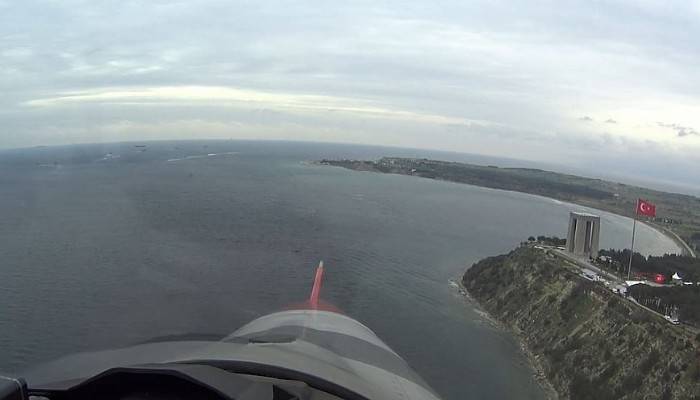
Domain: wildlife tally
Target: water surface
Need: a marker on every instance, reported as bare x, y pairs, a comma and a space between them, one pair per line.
108, 245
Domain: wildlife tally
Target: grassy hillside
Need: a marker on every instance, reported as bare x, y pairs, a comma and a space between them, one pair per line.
592, 344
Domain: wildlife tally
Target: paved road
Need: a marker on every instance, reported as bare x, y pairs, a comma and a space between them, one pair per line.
583, 263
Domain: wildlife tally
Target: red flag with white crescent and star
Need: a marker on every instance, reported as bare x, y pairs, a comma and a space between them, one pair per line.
646, 208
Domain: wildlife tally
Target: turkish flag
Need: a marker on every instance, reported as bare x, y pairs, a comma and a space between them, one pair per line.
646, 208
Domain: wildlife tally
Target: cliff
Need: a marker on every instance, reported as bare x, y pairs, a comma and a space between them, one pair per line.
590, 342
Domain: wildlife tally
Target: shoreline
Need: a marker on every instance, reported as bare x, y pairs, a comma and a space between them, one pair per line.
583, 335
532, 360
684, 248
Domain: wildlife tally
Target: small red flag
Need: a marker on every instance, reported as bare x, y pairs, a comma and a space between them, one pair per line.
646, 208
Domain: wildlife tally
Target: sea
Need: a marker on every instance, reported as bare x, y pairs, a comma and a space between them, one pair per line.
107, 245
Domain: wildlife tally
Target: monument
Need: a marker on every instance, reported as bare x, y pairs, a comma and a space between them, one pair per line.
584, 234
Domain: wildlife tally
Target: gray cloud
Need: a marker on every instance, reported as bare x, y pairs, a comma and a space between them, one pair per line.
680, 130
493, 77
610, 121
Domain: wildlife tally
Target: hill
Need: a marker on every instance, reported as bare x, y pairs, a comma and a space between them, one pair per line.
589, 342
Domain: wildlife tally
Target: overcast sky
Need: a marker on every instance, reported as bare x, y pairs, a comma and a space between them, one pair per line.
610, 87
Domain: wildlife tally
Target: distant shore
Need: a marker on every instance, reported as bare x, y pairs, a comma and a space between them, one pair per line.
685, 247
681, 212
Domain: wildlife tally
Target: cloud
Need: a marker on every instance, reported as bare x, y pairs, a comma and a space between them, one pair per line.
493, 77
610, 121
218, 96
680, 130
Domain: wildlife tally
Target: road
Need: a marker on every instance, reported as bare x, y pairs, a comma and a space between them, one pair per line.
585, 264
689, 250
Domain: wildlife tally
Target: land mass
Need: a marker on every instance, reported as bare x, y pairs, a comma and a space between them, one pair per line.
678, 214
589, 342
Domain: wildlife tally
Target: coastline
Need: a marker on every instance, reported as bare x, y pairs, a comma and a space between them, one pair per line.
673, 236
684, 248
533, 361
589, 340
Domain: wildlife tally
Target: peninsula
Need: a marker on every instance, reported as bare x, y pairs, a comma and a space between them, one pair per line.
679, 213
588, 341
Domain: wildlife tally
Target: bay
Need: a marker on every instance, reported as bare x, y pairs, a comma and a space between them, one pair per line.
111, 244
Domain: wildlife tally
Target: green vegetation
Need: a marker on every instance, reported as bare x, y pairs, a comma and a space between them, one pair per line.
678, 213
668, 264
548, 240
682, 302
589, 342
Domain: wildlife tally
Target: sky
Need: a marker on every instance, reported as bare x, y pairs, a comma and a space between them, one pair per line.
607, 87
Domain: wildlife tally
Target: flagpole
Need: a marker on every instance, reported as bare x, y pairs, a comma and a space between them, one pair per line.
634, 228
